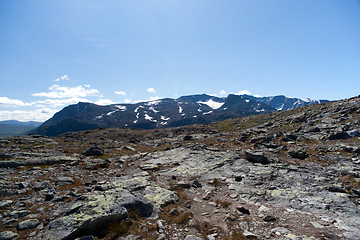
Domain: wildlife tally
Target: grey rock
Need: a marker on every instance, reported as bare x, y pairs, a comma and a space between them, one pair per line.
161, 237
299, 153
64, 181
30, 223
196, 184
354, 133
269, 218
280, 230
249, 235
336, 189
192, 237
339, 135
182, 184
256, 157
97, 211
49, 196
93, 151
41, 185
243, 210
8, 235
5, 203
20, 213
87, 238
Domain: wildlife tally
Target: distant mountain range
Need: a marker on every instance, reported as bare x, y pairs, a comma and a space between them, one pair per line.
164, 113
16, 128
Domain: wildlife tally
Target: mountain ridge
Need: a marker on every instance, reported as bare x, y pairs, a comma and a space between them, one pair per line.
166, 112
11, 128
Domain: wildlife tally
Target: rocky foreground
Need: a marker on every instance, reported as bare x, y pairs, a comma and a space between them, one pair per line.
286, 175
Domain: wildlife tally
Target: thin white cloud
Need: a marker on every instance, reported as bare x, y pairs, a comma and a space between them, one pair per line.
246, 92
7, 102
62, 102
39, 115
242, 92
57, 91
223, 93
62, 78
120, 93
104, 102
151, 90
147, 100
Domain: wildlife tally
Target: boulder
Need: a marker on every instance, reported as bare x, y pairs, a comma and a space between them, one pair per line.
5, 203
339, 135
8, 235
256, 157
64, 181
299, 153
30, 223
354, 133
95, 212
93, 151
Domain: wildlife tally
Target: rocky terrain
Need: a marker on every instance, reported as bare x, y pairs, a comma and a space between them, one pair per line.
285, 175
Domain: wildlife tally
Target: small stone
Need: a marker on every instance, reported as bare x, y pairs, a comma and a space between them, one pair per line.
30, 223
336, 189
87, 238
249, 235
8, 235
181, 184
317, 225
161, 237
5, 203
192, 237
196, 184
231, 217
300, 153
243, 210
233, 195
206, 196
64, 181
49, 196
188, 138
238, 178
20, 214
244, 226
269, 219
280, 231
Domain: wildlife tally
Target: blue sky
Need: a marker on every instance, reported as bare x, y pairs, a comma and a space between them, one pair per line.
55, 53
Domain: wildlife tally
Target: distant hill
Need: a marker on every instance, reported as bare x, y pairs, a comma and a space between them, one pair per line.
164, 113
11, 128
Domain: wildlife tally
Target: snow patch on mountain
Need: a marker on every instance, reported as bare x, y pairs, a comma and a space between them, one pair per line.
211, 103
110, 113
155, 102
206, 113
165, 118
137, 109
122, 108
147, 117
153, 109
